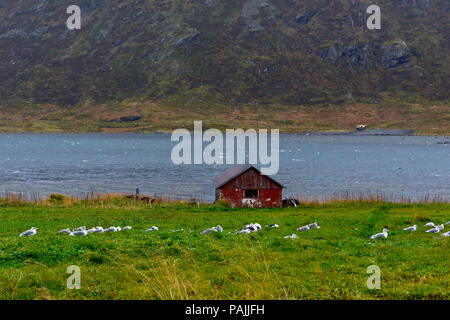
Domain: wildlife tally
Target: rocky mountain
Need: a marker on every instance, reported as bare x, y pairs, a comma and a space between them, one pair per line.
309, 52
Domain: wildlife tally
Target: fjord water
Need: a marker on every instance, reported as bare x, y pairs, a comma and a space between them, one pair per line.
314, 167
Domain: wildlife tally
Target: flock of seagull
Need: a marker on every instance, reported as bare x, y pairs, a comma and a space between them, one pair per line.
434, 229
81, 231
249, 228
308, 227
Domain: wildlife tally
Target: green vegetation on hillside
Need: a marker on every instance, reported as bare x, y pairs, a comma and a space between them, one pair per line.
202, 58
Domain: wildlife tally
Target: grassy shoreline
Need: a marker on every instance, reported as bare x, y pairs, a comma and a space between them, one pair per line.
443, 134
326, 263
54, 130
165, 116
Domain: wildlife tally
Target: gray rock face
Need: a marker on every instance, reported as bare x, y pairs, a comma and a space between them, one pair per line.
394, 55
332, 53
356, 55
187, 39
362, 55
251, 13
305, 17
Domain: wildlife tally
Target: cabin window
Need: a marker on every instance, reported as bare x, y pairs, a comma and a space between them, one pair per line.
250, 193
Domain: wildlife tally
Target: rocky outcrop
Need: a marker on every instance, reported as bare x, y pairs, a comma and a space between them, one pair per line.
362, 55
305, 17
187, 39
251, 13
356, 55
392, 55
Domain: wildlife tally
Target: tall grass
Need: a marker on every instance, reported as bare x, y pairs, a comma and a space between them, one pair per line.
371, 197
113, 200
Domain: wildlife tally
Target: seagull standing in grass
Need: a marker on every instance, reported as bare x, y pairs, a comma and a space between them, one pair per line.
28, 233
440, 227
111, 229
80, 228
152, 229
244, 231
127, 228
383, 234
294, 236
273, 226
412, 228
446, 234
430, 224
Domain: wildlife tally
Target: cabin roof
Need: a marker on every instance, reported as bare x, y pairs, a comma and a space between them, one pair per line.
235, 171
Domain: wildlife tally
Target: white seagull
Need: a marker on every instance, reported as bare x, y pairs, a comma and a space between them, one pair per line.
430, 224
110, 229
440, 227
29, 233
152, 229
252, 227
244, 231
434, 230
99, 229
412, 228
213, 229
127, 228
80, 228
448, 222
207, 231
273, 226
446, 234
305, 228
79, 233
313, 225
294, 236
383, 234
67, 231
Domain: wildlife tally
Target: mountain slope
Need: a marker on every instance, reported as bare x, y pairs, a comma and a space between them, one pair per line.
312, 52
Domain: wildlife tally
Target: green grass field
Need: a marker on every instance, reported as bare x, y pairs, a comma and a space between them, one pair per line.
326, 263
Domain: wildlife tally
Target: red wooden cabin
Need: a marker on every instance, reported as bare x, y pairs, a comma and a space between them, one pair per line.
245, 186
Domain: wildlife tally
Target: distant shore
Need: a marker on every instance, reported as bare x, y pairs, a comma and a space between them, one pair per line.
375, 132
